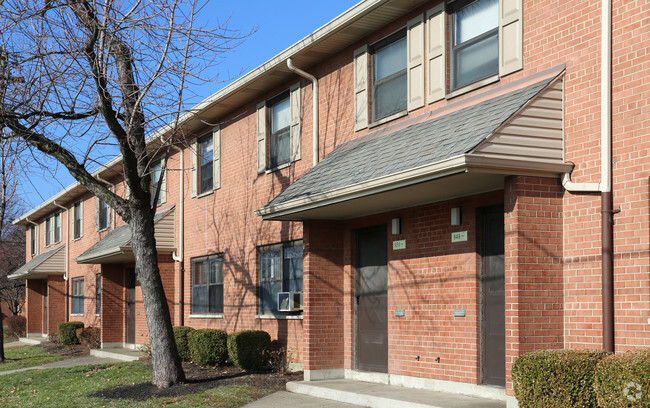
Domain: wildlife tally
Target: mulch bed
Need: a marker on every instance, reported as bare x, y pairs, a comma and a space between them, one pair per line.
76, 350
198, 380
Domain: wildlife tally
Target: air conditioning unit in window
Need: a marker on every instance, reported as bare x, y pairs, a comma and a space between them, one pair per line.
289, 301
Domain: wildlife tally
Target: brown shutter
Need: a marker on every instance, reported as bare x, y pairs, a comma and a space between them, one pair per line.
436, 64
361, 88
294, 100
415, 64
511, 47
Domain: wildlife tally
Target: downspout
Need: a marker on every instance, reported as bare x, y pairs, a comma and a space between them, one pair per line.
67, 245
111, 210
181, 240
314, 82
605, 185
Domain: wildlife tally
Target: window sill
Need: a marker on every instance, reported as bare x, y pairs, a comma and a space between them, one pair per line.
77, 314
279, 317
103, 229
472, 87
207, 193
206, 316
388, 119
280, 167
98, 314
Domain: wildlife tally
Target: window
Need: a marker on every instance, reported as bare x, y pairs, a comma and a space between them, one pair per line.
77, 226
280, 134
206, 157
103, 215
53, 229
280, 270
33, 236
156, 173
389, 86
98, 294
78, 295
207, 285
48, 231
57, 228
475, 41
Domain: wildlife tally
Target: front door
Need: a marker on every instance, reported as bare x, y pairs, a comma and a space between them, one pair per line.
130, 306
494, 306
372, 299
45, 301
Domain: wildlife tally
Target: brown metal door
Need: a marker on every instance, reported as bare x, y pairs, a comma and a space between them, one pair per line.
130, 306
494, 307
372, 299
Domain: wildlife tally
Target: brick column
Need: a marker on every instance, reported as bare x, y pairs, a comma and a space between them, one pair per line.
113, 321
533, 272
323, 281
55, 304
34, 315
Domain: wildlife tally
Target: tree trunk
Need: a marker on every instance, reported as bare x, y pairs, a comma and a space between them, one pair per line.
2, 338
167, 369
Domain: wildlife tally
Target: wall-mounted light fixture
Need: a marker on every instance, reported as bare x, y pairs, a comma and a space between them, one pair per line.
456, 216
396, 226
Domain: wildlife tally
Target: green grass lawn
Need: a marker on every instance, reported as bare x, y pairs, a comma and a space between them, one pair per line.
70, 387
28, 356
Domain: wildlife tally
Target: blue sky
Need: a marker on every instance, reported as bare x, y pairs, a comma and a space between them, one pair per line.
279, 24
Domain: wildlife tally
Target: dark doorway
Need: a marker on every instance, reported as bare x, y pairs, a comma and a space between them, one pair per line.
130, 306
45, 305
372, 299
494, 306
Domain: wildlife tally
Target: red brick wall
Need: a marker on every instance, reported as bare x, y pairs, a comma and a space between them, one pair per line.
533, 258
55, 303
34, 315
113, 321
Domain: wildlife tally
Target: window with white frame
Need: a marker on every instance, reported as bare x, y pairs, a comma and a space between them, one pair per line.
280, 270
103, 215
280, 131
207, 284
158, 187
33, 238
77, 220
205, 162
389, 86
77, 295
53, 229
474, 41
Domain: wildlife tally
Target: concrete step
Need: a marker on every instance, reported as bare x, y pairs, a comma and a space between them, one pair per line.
118, 354
387, 396
33, 341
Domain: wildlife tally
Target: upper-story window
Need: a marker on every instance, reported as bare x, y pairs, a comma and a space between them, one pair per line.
53, 229
206, 156
206, 163
103, 215
156, 174
280, 132
475, 41
77, 220
33, 239
389, 76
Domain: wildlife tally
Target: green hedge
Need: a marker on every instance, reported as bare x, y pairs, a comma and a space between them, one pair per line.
208, 347
556, 378
68, 332
623, 380
180, 335
250, 349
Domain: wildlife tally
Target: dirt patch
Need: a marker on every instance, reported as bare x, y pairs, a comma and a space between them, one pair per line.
76, 350
198, 380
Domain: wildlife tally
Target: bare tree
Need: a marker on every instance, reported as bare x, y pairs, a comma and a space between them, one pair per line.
96, 75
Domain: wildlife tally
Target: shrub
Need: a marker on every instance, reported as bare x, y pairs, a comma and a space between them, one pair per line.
249, 349
17, 325
89, 337
180, 335
556, 378
208, 347
68, 332
623, 380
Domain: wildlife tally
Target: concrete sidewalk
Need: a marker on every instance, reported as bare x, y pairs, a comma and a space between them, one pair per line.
67, 363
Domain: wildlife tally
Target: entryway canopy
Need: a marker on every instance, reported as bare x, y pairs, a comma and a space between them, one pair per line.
464, 148
48, 263
115, 247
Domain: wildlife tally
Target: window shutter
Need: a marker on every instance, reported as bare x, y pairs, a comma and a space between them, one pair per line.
216, 158
97, 213
294, 98
361, 88
415, 58
194, 151
511, 47
261, 137
163, 187
37, 240
436, 64
81, 217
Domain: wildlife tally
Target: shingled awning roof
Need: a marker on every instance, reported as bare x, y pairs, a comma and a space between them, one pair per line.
462, 149
48, 263
115, 247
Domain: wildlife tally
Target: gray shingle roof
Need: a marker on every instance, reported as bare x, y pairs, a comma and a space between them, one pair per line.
425, 143
37, 261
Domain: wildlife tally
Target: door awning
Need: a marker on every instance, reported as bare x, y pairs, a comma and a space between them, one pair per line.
464, 148
115, 247
51, 262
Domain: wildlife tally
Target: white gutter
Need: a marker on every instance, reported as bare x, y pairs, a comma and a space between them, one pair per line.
110, 209
314, 82
67, 237
181, 205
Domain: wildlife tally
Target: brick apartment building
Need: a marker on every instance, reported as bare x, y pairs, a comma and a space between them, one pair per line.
471, 183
